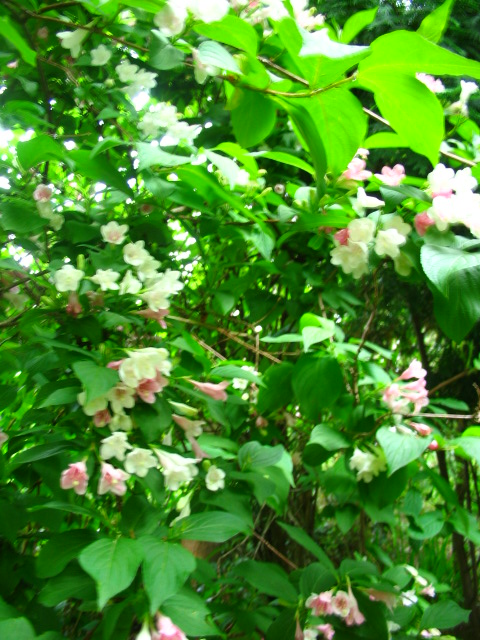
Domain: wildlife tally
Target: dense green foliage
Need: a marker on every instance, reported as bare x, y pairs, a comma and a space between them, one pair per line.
240, 289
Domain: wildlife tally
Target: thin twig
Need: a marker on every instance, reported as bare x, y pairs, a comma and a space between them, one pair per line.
291, 564
451, 416
445, 383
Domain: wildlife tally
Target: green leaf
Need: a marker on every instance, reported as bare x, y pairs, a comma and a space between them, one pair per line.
189, 611
315, 329
211, 526
357, 23
166, 567
267, 578
456, 276
112, 564
60, 396
72, 583
253, 455
285, 158
97, 381
410, 107
61, 549
470, 445
212, 53
277, 391
150, 155
39, 452
227, 167
444, 615
319, 43
433, 26
401, 448
10, 33
248, 127
341, 123
17, 628
303, 539
99, 170
230, 371
233, 31
385, 140
317, 383
20, 218
328, 438
39, 149
162, 54
410, 53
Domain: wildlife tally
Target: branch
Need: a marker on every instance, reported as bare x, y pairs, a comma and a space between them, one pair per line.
445, 383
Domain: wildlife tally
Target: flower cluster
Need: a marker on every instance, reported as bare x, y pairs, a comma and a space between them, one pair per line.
368, 464
342, 604
311, 633
401, 394
137, 79
453, 201
164, 116
352, 251
171, 19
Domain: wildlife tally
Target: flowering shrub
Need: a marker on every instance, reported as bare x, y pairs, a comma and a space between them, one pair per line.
214, 271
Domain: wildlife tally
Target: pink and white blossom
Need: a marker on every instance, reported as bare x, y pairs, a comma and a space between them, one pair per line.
112, 480
356, 170
167, 630
215, 391
434, 84
42, 193
192, 428
113, 232
215, 478
422, 222
392, 176
75, 477
320, 603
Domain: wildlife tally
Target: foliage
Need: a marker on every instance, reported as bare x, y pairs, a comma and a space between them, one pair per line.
225, 407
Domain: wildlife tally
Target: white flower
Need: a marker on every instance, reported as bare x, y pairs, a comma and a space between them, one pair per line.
397, 222
143, 80
68, 278
171, 19
183, 506
409, 598
121, 397
464, 181
106, 278
176, 469
135, 254
156, 298
144, 633
115, 446
387, 243
209, 10
353, 258
440, 181
120, 422
467, 90
366, 202
148, 269
126, 71
192, 428
144, 364
113, 232
139, 461
434, 84
42, 193
56, 221
130, 284
361, 230
215, 478
183, 132
72, 40
92, 407
162, 116
100, 56
367, 464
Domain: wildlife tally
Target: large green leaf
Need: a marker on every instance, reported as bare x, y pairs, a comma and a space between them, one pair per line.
39, 149
285, 158
341, 123
9, 31
150, 155
95, 380
252, 455
189, 611
112, 564
211, 526
212, 53
410, 107
267, 578
166, 567
99, 169
162, 54
410, 53
302, 538
231, 30
317, 383
72, 583
444, 615
433, 26
253, 117
278, 388
61, 549
470, 446
17, 628
401, 448
20, 217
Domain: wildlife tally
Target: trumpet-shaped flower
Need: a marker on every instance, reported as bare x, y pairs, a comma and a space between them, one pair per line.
67, 278
112, 480
367, 464
75, 477
115, 446
113, 232
215, 478
215, 391
176, 469
72, 40
107, 279
140, 461
100, 56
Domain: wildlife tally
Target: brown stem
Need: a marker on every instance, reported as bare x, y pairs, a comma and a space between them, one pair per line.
445, 383
291, 564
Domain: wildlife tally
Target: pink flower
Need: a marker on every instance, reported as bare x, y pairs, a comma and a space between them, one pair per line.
421, 429
388, 598
414, 370
215, 391
155, 315
147, 389
433, 446
342, 236
42, 193
74, 308
434, 84
356, 170
392, 177
320, 604
75, 477
327, 630
354, 616
167, 630
422, 221
197, 449
101, 418
112, 480
114, 364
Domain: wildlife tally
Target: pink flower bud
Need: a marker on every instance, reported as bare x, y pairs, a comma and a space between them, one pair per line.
101, 418
114, 364
422, 221
421, 429
433, 446
73, 308
414, 370
167, 630
342, 236
215, 391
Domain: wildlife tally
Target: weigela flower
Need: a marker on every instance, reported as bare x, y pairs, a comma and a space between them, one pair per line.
113, 232
102, 418
215, 478
148, 269
367, 464
144, 364
126, 71
115, 446
183, 132
361, 230
129, 284
170, 20
434, 84
422, 222
320, 603
72, 40
148, 387
68, 278
121, 397
392, 176
176, 469
192, 428
356, 170
107, 279
387, 243
326, 630
167, 630
42, 193
92, 407
161, 116
100, 56
120, 422
135, 253
440, 181
140, 461
215, 391
364, 201
75, 477
353, 258
112, 480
